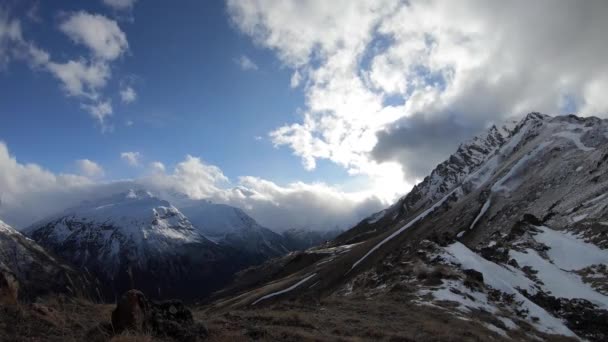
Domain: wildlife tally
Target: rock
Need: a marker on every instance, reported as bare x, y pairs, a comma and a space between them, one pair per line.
167, 319
9, 288
172, 319
474, 275
474, 279
131, 313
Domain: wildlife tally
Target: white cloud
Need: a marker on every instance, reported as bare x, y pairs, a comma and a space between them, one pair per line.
81, 78
298, 204
99, 110
89, 168
157, 166
101, 35
120, 4
295, 80
10, 33
246, 63
375, 68
132, 158
319, 206
128, 94
27, 186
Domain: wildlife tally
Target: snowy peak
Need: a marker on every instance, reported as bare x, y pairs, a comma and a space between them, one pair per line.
134, 216
231, 226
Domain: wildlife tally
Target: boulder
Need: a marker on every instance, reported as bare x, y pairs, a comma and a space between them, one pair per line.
131, 313
168, 319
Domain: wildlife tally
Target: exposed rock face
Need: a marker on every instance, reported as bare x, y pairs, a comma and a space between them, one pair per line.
27, 270
167, 319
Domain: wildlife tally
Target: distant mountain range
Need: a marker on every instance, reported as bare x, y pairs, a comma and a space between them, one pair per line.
135, 239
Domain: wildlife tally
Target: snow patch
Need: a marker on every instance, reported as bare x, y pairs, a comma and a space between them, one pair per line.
483, 210
291, 288
559, 283
575, 138
569, 252
507, 279
405, 227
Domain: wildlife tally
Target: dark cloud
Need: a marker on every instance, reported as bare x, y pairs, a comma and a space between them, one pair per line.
420, 142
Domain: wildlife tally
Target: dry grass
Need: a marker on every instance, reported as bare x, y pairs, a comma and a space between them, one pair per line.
131, 337
345, 320
51, 319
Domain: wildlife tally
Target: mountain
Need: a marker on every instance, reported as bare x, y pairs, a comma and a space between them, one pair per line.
227, 225
134, 239
510, 232
298, 239
32, 270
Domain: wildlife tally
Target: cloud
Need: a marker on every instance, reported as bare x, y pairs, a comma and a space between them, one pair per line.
27, 186
298, 204
101, 35
120, 5
89, 168
245, 63
375, 71
128, 95
10, 33
157, 166
295, 79
317, 206
132, 158
99, 110
81, 78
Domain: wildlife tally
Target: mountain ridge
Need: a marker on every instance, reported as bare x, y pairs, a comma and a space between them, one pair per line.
484, 235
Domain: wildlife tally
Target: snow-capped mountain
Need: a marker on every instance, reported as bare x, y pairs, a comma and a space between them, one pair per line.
136, 239
231, 226
35, 270
468, 157
511, 231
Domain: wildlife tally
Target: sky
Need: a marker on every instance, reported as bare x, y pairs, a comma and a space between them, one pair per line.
304, 113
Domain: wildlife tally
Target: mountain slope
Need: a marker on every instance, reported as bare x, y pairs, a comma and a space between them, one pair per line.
302, 239
35, 270
511, 230
135, 239
231, 226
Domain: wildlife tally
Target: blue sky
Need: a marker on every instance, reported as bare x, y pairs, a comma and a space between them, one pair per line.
309, 113
192, 96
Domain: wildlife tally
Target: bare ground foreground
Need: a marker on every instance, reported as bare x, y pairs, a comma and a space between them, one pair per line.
333, 319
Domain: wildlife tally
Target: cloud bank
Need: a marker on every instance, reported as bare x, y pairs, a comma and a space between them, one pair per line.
394, 80
316, 206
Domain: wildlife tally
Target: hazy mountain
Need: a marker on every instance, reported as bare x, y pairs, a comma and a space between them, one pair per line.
231, 226
136, 239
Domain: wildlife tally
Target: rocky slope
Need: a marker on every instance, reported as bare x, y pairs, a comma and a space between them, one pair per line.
134, 239
30, 271
511, 231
